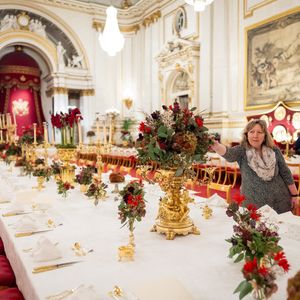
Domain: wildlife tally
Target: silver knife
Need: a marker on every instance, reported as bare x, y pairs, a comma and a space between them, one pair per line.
10, 214
54, 267
28, 233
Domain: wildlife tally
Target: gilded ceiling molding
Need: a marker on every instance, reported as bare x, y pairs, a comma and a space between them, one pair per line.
57, 90
248, 10
20, 69
89, 92
151, 19
99, 26
50, 16
19, 36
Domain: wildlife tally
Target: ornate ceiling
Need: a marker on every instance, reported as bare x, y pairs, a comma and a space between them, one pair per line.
117, 3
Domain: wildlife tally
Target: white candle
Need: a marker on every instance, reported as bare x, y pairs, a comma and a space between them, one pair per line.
104, 133
34, 133
52, 137
14, 117
79, 129
98, 132
8, 118
110, 132
45, 133
3, 120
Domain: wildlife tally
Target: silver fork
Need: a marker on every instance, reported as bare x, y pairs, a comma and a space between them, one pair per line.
64, 294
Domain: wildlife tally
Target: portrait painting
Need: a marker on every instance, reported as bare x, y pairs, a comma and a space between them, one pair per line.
273, 61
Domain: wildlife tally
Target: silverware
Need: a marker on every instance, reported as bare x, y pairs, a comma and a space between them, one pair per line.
64, 294
53, 267
11, 214
21, 234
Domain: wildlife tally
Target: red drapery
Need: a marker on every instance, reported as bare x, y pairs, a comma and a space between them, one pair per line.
20, 89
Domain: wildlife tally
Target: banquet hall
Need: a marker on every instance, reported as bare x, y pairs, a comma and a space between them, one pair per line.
109, 187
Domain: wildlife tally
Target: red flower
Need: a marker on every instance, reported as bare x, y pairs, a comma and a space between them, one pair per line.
238, 199
162, 145
279, 255
199, 121
251, 207
263, 271
283, 263
250, 266
254, 215
142, 127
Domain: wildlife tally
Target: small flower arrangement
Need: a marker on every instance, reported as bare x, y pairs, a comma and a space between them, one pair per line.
65, 122
90, 133
174, 137
27, 136
63, 187
256, 242
56, 168
133, 205
42, 171
97, 190
85, 176
12, 151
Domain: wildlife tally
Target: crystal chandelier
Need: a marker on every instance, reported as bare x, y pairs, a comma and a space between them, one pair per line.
111, 39
199, 5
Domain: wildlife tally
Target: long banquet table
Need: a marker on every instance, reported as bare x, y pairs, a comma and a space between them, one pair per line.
198, 262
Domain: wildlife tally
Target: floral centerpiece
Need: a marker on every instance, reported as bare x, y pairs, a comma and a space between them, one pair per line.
133, 205
65, 122
42, 172
12, 152
126, 136
27, 136
56, 168
97, 190
173, 139
131, 208
63, 187
85, 177
256, 242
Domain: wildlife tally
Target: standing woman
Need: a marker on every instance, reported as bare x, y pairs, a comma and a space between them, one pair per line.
266, 179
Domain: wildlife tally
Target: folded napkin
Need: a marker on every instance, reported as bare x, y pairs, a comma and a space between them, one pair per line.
216, 200
26, 224
16, 207
292, 224
45, 250
85, 293
26, 195
269, 214
162, 289
6, 197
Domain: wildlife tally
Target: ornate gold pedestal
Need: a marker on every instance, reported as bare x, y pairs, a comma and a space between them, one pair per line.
67, 171
127, 252
173, 214
40, 181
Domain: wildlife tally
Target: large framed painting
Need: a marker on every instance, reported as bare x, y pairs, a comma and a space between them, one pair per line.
273, 61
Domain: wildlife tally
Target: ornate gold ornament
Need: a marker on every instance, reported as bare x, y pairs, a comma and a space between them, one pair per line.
128, 103
151, 19
280, 113
23, 20
173, 214
20, 107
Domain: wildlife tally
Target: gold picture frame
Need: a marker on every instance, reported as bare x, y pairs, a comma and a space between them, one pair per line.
272, 58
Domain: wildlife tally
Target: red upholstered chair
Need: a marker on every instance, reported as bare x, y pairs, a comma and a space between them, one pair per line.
7, 276
11, 294
2, 252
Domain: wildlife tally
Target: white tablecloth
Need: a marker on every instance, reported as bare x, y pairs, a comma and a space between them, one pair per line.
198, 262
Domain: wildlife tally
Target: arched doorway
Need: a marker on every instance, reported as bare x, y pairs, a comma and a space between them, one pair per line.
20, 89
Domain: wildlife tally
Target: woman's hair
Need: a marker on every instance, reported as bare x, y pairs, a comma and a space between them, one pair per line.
268, 141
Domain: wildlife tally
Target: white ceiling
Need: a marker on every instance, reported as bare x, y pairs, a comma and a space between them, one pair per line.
116, 3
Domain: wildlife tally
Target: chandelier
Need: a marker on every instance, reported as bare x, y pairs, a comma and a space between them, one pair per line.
111, 39
199, 5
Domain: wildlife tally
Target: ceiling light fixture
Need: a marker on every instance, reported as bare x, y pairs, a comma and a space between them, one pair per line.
199, 5
111, 39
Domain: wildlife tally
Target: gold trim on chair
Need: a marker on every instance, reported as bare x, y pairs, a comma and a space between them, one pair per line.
220, 187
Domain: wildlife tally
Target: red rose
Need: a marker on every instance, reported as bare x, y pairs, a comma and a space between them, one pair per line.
199, 121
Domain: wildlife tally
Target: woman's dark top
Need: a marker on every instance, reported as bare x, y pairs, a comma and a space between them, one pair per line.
275, 192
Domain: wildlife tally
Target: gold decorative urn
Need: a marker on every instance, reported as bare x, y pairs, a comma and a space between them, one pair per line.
66, 155
173, 214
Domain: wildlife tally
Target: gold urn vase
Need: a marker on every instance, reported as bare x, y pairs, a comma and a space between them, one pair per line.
66, 155
173, 214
